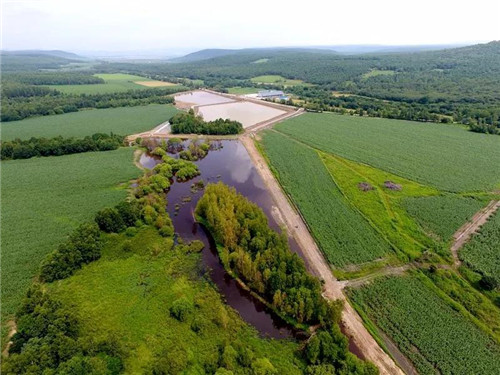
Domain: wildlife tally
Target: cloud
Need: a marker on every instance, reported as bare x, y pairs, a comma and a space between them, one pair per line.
132, 25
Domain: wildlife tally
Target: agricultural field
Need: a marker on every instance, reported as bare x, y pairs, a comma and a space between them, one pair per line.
430, 331
343, 234
242, 90
122, 121
441, 216
115, 82
365, 188
44, 199
442, 156
128, 294
482, 253
277, 80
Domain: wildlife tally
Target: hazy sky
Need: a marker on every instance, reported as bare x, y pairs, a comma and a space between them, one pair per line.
110, 25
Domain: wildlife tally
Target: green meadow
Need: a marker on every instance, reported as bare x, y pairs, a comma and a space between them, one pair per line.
122, 121
115, 82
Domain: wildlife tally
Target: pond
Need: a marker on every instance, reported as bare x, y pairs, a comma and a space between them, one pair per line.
247, 113
201, 98
232, 165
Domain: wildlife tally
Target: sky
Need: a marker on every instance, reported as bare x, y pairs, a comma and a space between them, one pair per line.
125, 25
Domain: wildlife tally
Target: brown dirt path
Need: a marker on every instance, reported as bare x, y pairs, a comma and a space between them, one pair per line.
463, 234
12, 331
318, 265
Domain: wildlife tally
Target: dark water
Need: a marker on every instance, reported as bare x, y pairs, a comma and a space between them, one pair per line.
232, 165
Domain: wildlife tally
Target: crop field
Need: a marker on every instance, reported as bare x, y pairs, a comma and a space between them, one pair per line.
345, 237
430, 332
44, 199
278, 80
482, 253
128, 295
442, 156
382, 206
115, 82
441, 216
122, 121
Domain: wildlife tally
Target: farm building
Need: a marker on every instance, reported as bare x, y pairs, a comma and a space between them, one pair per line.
272, 94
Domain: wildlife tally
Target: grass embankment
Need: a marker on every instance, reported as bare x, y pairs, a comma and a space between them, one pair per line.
116, 82
429, 331
123, 121
128, 295
442, 156
44, 199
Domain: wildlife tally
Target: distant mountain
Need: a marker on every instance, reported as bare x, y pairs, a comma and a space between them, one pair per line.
207, 54
55, 53
204, 54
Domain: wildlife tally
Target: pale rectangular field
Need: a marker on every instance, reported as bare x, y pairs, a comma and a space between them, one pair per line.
201, 98
247, 113
154, 83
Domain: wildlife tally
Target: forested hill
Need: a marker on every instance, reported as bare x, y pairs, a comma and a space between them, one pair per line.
208, 54
33, 60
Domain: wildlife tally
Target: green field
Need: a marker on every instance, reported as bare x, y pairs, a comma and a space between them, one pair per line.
122, 121
277, 80
113, 83
441, 216
344, 236
127, 295
242, 90
443, 156
43, 200
482, 253
430, 332
381, 206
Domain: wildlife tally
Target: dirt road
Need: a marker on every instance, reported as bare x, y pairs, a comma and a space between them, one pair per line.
318, 266
463, 235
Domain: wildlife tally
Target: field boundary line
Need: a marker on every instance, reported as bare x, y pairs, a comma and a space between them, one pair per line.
465, 232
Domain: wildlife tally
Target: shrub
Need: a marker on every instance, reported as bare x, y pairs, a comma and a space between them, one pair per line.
83, 246
110, 220
180, 309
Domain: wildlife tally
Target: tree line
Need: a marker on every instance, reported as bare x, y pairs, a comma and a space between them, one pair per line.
57, 146
189, 123
53, 78
261, 258
53, 103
